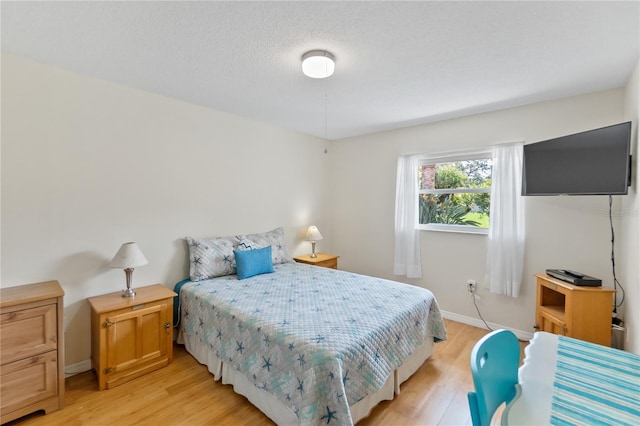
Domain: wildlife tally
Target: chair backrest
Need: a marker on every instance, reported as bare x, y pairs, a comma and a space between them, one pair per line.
494, 366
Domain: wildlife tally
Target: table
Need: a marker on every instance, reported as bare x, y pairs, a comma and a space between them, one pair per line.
570, 381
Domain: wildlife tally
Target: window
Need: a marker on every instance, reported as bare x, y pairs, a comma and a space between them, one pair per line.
454, 193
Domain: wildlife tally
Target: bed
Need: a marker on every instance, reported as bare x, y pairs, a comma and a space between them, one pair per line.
305, 344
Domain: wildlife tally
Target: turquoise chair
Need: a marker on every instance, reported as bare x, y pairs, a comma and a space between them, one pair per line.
494, 366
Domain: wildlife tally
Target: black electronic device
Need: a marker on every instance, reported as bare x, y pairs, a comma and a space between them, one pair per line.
575, 278
595, 162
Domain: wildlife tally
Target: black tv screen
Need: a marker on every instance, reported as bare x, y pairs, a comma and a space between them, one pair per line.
595, 162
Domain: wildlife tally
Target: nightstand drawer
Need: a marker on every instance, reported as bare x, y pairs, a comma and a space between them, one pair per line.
330, 263
322, 259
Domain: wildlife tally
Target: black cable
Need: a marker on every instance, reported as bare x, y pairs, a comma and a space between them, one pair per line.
616, 283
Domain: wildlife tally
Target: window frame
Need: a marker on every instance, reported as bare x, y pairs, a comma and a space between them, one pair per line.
481, 154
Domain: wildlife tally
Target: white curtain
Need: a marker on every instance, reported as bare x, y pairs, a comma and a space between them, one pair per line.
505, 252
407, 237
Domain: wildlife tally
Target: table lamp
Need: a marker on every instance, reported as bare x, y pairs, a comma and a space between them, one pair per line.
128, 257
313, 235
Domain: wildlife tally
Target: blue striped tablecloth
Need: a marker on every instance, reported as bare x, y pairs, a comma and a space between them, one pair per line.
595, 385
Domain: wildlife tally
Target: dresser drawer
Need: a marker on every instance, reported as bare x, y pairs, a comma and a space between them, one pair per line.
28, 381
28, 332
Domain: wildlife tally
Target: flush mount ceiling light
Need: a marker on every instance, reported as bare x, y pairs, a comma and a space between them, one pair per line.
318, 64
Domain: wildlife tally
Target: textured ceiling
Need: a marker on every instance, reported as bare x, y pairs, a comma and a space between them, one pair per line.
397, 63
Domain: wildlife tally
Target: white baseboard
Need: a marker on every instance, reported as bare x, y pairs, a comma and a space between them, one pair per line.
522, 335
77, 368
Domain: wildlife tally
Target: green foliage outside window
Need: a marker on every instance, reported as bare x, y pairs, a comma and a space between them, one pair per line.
457, 208
448, 212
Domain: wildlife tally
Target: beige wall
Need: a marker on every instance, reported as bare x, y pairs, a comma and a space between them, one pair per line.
88, 165
562, 232
629, 255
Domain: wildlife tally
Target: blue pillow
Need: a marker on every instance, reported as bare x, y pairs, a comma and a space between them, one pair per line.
253, 262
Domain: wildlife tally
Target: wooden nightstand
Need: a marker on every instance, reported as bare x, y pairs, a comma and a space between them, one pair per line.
324, 260
131, 336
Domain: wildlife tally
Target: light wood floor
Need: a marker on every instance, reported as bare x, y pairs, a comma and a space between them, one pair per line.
184, 393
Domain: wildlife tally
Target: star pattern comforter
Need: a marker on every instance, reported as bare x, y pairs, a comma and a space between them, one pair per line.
317, 339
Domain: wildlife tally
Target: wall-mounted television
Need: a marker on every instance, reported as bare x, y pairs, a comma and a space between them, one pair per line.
595, 162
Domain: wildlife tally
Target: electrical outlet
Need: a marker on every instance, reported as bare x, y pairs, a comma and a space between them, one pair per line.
471, 286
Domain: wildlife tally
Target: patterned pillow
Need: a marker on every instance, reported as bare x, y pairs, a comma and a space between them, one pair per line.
246, 244
210, 258
275, 239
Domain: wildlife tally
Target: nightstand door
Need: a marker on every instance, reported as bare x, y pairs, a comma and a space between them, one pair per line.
136, 339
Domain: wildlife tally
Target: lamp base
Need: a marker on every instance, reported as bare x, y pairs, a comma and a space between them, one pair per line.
128, 293
313, 250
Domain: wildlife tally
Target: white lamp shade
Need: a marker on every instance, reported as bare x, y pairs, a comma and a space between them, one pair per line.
313, 234
129, 256
318, 64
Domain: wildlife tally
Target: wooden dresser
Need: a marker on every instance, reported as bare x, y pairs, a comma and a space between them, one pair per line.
131, 336
580, 312
31, 349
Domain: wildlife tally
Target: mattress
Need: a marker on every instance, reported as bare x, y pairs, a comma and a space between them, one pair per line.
314, 341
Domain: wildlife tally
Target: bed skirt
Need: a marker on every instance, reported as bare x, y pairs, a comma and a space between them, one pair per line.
276, 410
